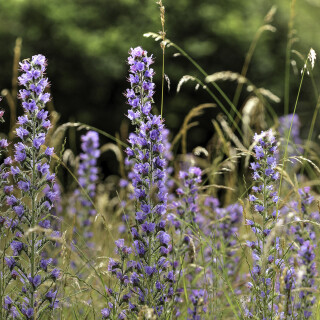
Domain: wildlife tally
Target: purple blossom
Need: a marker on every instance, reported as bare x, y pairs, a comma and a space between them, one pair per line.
148, 227
36, 281
22, 132
11, 262
112, 265
39, 140
187, 207
199, 300
306, 258
24, 185
105, 313
295, 143
44, 263
55, 273
164, 238
19, 210
16, 247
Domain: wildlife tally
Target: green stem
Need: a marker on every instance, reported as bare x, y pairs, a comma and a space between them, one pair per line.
33, 204
1, 285
215, 85
287, 62
162, 82
217, 100
285, 155
287, 79
288, 138
313, 121
263, 267
246, 66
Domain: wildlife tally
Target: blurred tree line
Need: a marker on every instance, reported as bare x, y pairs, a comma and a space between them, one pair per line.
87, 41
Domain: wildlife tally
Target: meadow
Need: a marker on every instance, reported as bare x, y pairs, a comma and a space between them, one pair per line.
225, 230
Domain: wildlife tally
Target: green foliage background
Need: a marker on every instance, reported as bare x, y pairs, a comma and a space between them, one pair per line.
86, 42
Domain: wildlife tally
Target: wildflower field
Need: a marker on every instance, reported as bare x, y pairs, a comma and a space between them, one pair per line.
225, 230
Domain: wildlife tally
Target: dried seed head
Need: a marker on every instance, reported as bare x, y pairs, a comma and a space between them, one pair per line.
312, 56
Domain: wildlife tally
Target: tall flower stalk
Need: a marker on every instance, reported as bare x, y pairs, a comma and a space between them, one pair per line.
304, 259
3, 172
126, 184
224, 234
294, 147
266, 248
88, 177
186, 208
147, 280
29, 204
186, 224
4, 227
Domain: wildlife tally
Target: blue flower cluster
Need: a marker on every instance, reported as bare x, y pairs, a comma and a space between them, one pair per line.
147, 279
225, 234
3, 172
264, 199
304, 237
87, 177
289, 277
183, 219
126, 189
186, 207
30, 205
294, 146
295, 143
4, 222
220, 225
199, 300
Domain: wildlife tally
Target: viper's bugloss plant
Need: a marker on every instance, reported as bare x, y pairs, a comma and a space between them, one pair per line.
4, 222
32, 277
288, 282
87, 177
304, 259
183, 219
57, 209
220, 226
126, 187
266, 247
3, 172
228, 228
186, 206
294, 147
199, 300
147, 280
185, 210
224, 233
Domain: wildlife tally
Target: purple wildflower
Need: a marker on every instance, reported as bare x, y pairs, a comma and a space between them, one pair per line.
88, 177
304, 259
145, 157
31, 175
295, 143
199, 299
263, 201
